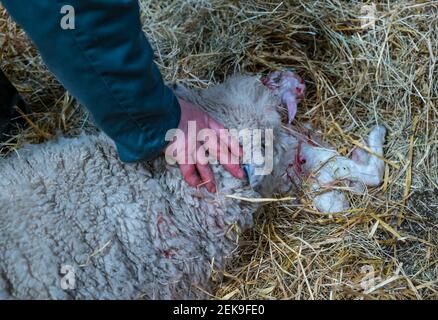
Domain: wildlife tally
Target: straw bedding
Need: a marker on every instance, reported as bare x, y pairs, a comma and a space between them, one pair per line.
383, 248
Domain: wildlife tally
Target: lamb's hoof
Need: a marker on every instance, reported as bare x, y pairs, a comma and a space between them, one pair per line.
331, 202
376, 139
377, 136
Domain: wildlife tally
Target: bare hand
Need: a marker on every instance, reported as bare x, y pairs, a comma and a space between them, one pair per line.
227, 151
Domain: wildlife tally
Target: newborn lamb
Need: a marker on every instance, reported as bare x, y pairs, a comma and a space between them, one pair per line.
127, 231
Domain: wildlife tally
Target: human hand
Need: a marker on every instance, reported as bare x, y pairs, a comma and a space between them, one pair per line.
226, 150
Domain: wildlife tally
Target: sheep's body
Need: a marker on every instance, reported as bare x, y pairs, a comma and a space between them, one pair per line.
128, 230
136, 230
71, 198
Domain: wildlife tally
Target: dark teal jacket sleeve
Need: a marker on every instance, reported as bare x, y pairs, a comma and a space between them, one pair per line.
107, 64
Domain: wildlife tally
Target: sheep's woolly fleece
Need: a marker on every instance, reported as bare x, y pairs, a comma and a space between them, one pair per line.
128, 230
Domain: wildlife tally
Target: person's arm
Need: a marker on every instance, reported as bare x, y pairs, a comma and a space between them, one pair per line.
107, 64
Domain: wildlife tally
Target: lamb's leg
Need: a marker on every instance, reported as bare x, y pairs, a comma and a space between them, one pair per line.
326, 169
331, 202
365, 167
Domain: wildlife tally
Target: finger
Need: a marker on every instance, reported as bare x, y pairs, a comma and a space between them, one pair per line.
203, 167
231, 141
235, 170
190, 174
207, 177
222, 154
228, 160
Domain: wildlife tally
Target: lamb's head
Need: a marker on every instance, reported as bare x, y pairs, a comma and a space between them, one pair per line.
289, 87
249, 107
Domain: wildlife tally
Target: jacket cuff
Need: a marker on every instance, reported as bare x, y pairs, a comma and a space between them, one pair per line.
140, 147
